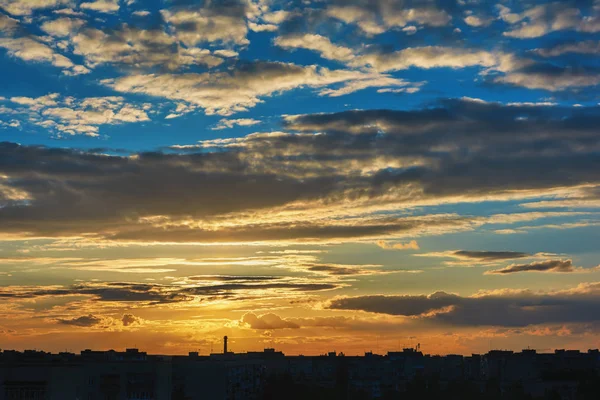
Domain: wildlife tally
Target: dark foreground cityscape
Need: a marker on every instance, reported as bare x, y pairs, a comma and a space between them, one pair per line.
407, 374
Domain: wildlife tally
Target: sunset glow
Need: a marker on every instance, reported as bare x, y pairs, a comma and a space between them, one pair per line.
309, 176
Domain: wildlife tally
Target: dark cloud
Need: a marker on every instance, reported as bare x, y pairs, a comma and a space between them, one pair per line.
154, 294
465, 148
396, 305
299, 231
130, 319
552, 77
517, 308
538, 266
86, 320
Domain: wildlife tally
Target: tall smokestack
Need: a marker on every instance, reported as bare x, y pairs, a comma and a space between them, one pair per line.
225, 345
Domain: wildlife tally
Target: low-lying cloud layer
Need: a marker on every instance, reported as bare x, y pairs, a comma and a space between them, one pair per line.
501, 308
354, 164
542, 266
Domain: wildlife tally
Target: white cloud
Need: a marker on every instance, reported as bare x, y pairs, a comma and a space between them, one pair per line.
103, 6
69, 12
409, 90
141, 13
29, 49
410, 30
261, 27
138, 47
583, 47
226, 93
230, 123
262, 19
8, 24
475, 21
72, 116
436, 57
226, 53
317, 43
552, 82
389, 17
543, 19
26, 7
62, 26
377, 81
205, 25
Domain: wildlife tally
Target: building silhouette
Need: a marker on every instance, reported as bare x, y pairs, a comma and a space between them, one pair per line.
407, 374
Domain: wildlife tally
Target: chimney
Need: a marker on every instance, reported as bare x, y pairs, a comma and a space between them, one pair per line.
225, 345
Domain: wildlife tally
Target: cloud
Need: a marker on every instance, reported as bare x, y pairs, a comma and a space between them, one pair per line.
226, 93
62, 26
235, 278
551, 77
270, 321
26, 7
296, 262
469, 258
412, 245
129, 46
226, 289
546, 18
317, 43
221, 23
585, 198
397, 305
29, 49
155, 295
539, 266
330, 177
123, 45
579, 47
379, 16
267, 321
141, 13
130, 319
347, 270
102, 292
509, 308
8, 25
230, 123
425, 57
70, 116
490, 255
497, 67
103, 6
84, 321
33, 48
92, 320
226, 53
438, 57
477, 22
140, 48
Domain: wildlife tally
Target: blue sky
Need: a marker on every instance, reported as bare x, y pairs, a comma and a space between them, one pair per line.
101, 40
277, 170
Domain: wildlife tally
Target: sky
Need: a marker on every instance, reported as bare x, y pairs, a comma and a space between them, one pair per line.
313, 176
